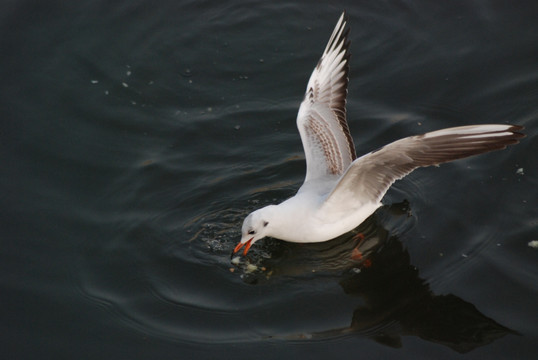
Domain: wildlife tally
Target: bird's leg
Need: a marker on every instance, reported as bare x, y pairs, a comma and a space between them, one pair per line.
356, 254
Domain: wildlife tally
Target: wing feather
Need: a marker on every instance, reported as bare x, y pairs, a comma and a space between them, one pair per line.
370, 176
321, 120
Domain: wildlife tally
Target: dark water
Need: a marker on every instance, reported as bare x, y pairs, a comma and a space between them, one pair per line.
136, 137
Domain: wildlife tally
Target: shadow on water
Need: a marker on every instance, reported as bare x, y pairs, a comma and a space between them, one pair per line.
371, 264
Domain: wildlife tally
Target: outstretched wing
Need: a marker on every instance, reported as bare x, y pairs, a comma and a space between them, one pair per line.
370, 176
321, 120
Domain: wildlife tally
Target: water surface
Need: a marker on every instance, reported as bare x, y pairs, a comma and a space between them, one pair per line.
137, 136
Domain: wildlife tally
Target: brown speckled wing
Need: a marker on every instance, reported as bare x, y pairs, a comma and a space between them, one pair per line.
327, 141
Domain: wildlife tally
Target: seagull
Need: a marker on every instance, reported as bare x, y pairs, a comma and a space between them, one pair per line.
340, 190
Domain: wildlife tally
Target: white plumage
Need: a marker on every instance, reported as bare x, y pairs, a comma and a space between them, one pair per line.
340, 191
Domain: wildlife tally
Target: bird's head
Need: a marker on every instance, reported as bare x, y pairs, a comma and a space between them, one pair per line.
255, 227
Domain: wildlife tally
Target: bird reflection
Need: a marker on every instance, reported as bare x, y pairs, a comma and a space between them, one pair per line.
394, 301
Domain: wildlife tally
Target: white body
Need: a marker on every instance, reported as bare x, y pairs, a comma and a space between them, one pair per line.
311, 222
340, 190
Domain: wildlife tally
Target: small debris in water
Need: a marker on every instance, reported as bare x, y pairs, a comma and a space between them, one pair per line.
232, 269
125, 85
520, 171
95, 81
237, 127
251, 268
464, 255
236, 260
533, 244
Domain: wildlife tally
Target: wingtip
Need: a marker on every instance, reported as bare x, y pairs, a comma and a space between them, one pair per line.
340, 34
517, 130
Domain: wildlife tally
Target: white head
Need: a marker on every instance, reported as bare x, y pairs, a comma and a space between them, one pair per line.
255, 227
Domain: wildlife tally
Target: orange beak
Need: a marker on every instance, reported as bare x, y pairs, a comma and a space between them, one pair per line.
240, 245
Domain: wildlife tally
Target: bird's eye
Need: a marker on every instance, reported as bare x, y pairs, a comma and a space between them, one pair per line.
265, 223
252, 232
